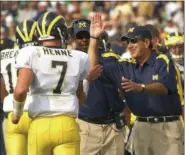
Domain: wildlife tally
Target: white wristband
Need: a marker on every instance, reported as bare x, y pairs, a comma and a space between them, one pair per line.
85, 86
18, 107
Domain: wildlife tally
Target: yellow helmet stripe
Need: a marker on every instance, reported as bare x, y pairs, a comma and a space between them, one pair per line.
20, 34
32, 31
38, 29
25, 30
43, 23
52, 23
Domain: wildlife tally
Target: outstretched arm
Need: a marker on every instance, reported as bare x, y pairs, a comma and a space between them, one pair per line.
96, 29
153, 88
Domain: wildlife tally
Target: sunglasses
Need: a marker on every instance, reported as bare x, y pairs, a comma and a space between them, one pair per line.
134, 40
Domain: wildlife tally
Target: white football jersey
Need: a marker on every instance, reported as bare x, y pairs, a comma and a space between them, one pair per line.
57, 73
7, 68
10, 77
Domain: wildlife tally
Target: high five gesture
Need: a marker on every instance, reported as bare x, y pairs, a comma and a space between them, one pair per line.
97, 27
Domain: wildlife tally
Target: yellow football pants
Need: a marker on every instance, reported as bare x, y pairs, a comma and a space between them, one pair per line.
54, 135
17, 135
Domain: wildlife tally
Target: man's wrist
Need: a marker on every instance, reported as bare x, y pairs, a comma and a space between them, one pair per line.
18, 107
94, 37
85, 86
143, 88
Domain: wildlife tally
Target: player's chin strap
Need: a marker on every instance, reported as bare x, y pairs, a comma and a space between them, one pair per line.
18, 107
62, 38
104, 44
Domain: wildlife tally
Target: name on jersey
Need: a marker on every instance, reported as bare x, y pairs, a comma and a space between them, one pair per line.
8, 54
49, 51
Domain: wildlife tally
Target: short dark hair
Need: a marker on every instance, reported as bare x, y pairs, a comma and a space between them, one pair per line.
153, 30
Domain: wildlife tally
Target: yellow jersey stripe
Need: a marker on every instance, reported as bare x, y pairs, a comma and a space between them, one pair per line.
129, 60
110, 54
165, 58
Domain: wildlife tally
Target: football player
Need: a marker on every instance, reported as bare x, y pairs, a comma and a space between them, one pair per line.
16, 134
53, 72
175, 43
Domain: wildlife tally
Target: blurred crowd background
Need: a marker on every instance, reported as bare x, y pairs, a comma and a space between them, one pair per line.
118, 16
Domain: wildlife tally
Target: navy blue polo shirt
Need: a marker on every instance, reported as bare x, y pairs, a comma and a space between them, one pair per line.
158, 68
102, 99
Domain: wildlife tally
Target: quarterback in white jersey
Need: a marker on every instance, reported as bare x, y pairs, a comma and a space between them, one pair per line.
16, 135
57, 73
53, 74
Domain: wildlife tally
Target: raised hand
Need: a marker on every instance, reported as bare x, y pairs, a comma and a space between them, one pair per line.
97, 27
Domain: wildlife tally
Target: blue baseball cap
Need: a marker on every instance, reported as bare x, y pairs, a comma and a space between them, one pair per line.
136, 32
81, 25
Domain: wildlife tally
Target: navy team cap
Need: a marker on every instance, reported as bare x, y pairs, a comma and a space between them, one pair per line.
81, 25
136, 32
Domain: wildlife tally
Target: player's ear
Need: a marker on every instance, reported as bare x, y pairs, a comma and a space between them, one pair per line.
147, 43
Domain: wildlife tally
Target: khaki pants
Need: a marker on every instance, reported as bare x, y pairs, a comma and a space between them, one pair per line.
98, 139
158, 138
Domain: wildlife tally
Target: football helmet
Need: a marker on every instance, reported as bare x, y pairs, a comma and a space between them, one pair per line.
175, 43
174, 38
26, 33
52, 26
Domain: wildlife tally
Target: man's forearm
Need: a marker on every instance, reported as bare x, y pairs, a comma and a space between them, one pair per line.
93, 52
156, 89
20, 96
